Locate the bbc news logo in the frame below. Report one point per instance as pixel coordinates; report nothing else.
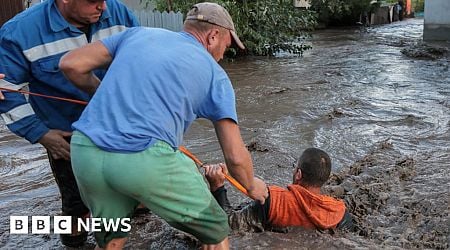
(63, 225)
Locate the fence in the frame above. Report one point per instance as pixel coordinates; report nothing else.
(171, 21)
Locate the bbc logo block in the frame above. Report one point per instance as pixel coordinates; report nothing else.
(40, 224)
(18, 224)
(65, 225)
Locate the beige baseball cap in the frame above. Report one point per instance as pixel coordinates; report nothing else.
(215, 14)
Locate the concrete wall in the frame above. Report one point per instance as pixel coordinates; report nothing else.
(381, 16)
(437, 20)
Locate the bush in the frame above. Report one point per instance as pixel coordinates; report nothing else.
(266, 27)
(418, 5)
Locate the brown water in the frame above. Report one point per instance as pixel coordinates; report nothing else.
(383, 116)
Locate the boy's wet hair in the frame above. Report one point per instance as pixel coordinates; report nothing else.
(316, 167)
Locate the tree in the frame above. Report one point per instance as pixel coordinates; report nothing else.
(266, 27)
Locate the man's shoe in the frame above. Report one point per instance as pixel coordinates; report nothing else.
(140, 211)
(76, 238)
(73, 240)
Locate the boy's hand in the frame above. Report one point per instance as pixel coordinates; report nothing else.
(214, 175)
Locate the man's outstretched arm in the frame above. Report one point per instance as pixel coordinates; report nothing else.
(238, 159)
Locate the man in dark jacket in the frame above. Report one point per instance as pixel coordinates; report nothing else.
(31, 45)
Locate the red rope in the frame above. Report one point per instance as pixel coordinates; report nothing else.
(46, 96)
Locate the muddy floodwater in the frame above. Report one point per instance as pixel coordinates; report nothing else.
(377, 100)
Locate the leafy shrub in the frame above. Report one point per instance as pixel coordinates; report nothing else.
(266, 27)
(418, 5)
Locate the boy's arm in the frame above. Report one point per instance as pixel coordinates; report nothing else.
(346, 223)
(216, 180)
(220, 194)
(251, 217)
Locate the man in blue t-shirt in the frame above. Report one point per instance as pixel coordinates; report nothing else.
(125, 145)
(31, 45)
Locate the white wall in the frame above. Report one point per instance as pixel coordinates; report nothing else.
(437, 20)
(437, 12)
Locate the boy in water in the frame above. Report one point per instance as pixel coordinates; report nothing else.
(302, 204)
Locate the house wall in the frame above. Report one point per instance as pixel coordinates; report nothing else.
(437, 20)
(9, 8)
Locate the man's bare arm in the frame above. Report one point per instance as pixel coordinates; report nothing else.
(238, 159)
(78, 65)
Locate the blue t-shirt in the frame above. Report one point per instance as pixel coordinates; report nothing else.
(158, 83)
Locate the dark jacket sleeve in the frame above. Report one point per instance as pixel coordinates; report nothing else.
(251, 217)
(346, 223)
(15, 110)
(222, 198)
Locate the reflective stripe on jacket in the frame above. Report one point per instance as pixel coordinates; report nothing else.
(31, 45)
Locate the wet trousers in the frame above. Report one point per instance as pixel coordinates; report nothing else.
(70, 195)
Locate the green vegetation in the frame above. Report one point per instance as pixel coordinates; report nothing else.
(418, 5)
(266, 27)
